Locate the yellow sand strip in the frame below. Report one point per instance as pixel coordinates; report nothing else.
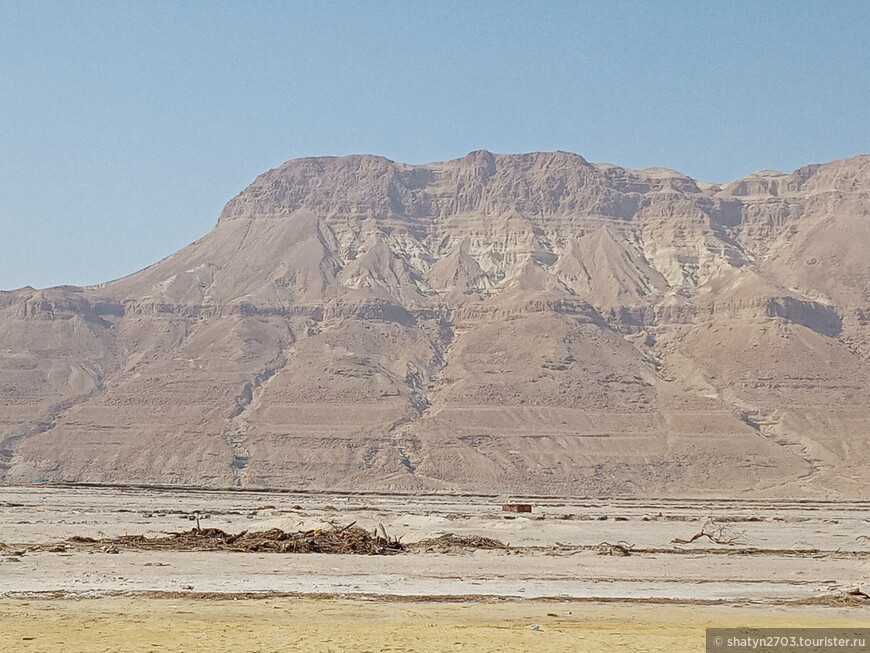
(273, 625)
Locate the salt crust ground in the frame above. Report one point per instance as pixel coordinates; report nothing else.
(77, 600)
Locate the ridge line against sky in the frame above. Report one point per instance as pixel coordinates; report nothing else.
(125, 127)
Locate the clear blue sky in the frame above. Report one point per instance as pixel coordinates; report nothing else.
(125, 126)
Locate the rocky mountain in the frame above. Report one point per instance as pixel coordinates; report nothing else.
(497, 323)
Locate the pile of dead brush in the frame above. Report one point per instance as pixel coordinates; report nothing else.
(451, 543)
(349, 539)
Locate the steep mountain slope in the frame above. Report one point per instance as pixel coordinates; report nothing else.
(508, 323)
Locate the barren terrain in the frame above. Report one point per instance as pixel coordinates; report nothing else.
(277, 625)
(788, 563)
(783, 550)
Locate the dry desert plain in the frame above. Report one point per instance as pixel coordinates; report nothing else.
(777, 562)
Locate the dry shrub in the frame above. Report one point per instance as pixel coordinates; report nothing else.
(715, 532)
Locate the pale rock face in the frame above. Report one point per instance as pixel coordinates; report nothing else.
(497, 323)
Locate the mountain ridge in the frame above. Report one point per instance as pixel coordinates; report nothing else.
(497, 322)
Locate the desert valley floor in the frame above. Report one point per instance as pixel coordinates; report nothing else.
(563, 569)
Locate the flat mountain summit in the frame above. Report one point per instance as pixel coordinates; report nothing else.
(528, 323)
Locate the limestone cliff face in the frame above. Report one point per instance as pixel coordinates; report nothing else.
(504, 323)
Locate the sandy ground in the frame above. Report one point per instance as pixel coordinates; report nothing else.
(792, 564)
(272, 625)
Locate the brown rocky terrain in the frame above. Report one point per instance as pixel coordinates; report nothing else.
(499, 323)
